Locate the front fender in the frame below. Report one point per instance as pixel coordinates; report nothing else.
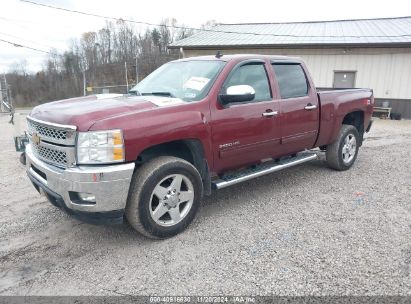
(153, 127)
(166, 128)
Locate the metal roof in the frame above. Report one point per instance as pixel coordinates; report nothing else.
(229, 57)
(392, 31)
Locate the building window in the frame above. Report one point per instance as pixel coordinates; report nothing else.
(344, 79)
(291, 80)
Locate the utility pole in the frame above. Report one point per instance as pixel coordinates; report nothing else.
(1, 99)
(84, 82)
(125, 67)
(136, 69)
(5, 95)
(7, 90)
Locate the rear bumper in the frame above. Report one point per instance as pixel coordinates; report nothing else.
(109, 185)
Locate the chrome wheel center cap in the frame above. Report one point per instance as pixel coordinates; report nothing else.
(172, 201)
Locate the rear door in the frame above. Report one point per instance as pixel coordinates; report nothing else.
(299, 107)
(246, 132)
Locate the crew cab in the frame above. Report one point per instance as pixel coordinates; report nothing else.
(193, 125)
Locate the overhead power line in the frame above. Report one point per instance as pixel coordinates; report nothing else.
(23, 46)
(210, 30)
(30, 41)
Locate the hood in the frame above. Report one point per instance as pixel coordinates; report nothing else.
(83, 112)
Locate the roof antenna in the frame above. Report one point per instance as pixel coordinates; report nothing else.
(219, 54)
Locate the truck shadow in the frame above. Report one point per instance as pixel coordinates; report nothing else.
(225, 200)
(270, 184)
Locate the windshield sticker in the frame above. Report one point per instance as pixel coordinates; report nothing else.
(196, 83)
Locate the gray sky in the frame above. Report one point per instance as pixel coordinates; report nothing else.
(43, 28)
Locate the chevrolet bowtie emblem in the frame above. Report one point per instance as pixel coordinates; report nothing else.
(35, 138)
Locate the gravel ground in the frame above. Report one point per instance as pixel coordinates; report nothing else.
(307, 230)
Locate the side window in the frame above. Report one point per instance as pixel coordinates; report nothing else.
(291, 80)
(253, 75)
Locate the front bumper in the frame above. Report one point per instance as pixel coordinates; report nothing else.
(108, 183)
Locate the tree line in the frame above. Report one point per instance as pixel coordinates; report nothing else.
(103, 59)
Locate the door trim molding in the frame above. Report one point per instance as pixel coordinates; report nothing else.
(298, 137)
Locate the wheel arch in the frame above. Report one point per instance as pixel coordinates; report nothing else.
(191, 150)
(356, 119)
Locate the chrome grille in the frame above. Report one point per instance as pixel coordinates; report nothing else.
(52, 143)
(47, 132)
(55, 157)
(60, 134)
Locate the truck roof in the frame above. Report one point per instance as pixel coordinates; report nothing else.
(230, 57)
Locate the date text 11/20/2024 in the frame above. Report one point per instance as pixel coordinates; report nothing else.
(202, 299)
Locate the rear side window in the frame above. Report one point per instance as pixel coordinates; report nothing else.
(252, 74)
(291, 80)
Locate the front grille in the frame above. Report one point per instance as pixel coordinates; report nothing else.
(47, 132)
(52, 143)
(55, 157)
(60, 134)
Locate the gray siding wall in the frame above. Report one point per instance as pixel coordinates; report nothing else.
(386, 70)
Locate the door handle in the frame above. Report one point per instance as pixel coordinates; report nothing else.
(310, 107)
(270, 114)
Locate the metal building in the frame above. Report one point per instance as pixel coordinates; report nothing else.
(369, 53)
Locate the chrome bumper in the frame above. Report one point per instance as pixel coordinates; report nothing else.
(109, 183)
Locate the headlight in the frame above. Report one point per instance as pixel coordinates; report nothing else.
(100, 147)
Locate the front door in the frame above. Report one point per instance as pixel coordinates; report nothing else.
(245, 132)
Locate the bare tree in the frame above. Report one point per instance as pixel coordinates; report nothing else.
(101, 56)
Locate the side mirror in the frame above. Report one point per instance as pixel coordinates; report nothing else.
(237, 93)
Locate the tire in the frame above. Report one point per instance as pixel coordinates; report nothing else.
(162, 217)
(340, 156)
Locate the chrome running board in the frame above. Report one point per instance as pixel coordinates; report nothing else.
(262, 169)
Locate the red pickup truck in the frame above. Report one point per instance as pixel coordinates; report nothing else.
(191, 126)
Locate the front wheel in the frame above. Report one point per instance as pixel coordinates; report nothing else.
(165, 195)
(342, 154)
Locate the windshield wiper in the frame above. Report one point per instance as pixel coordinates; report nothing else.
(167, 94)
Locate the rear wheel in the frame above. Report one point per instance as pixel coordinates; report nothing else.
(164, 197)
(342, 154)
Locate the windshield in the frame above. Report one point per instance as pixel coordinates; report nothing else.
(187, 80)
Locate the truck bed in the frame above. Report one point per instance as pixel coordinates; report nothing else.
(334, 102)
(331, 90)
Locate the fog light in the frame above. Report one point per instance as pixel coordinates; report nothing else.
(88, 197)
(82, 198)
